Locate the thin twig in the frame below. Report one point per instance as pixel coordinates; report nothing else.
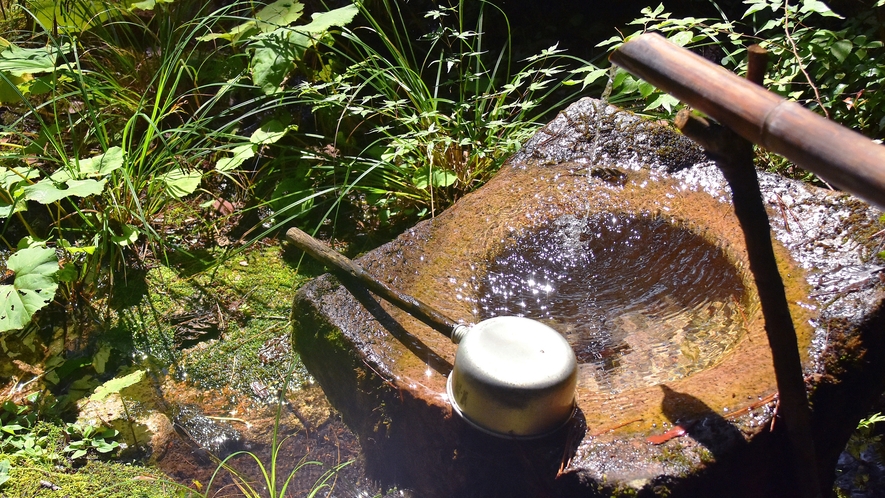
(795, 51)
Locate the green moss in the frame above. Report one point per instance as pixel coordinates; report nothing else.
(249, 300)
(674, 454)
(97, 479)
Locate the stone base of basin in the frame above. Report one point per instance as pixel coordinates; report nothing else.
(697, 419)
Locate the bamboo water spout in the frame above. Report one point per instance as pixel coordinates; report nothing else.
(840, 156)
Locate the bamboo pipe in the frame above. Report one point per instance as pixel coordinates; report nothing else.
(840, 156)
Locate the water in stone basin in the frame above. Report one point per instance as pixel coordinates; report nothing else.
(642, 300)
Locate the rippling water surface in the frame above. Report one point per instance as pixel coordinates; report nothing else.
(641, 300)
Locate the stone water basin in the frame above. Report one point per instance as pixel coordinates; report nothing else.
(616, 233)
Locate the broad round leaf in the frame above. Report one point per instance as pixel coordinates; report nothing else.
(180, 183)
(47, 191)
(33, 288)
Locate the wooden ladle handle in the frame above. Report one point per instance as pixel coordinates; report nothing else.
(335, 261)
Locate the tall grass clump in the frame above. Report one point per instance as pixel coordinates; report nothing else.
(90, 159)
(118, 116)
(414, 121)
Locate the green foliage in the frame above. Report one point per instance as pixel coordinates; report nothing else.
(864, 437)
(105, 159)
(114, 386)
(35, 271)
(19, 434)
(269, 470)
(275, 47)
(867, 423)
(85, 438)
(18, 66)
(23, 433)
(101, 151)
(4, 471)
(415, 125)
(832, 65)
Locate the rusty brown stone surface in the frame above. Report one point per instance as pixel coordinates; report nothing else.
(386, 372)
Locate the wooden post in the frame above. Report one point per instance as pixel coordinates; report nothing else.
(734, 157)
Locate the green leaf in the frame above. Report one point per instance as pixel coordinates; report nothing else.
(13, 176)
(12, 88)
(617, 39)
(269, 18)
(74, 249)
(13, 201)
(129, 236)
(279, 13)
(146, 4)
(271, 64)
(180, 183)
(68, 272)
(70, 16)
(755, 6)
(664, 100)
(593, 74)
(96, 166)
(47, 191)
(100, 358)
(818, 7)
(437, 178)
(682, 38)
(322, 21)
(241, 154)
(34, 287)
(103, 446)
(4, 471)
(841, 50)
(114, 386)
(19, 61)
(443, 178)
(268, 133)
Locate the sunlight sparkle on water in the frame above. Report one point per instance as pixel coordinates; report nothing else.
(640, 299)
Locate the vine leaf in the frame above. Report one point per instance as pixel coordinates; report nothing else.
(36, 270)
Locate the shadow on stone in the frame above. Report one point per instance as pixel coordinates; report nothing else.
(390, 324)
(701, 422)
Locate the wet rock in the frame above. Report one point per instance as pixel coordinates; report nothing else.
(208, 433)
(137, 413)
(699, 421)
